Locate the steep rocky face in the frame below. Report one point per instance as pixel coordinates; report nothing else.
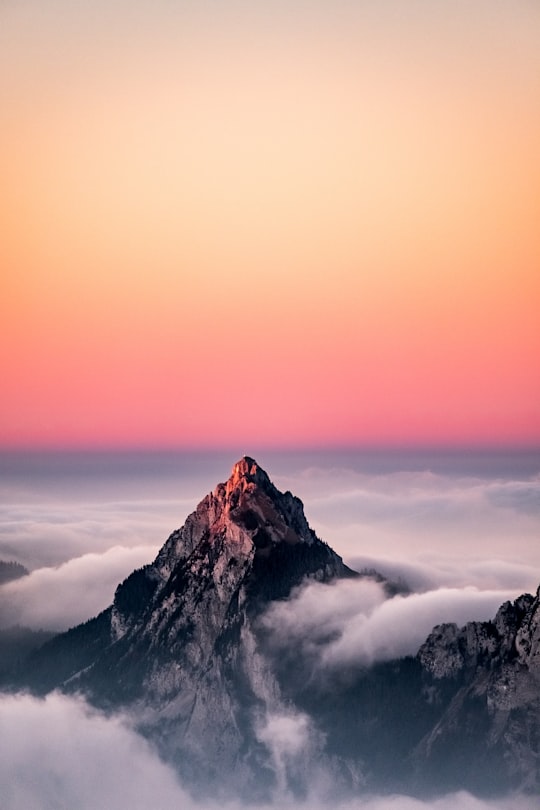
(512, 637)
(491, 726)
(245, 544)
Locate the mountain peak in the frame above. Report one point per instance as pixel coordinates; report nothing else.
(248, 518)
(246, 471)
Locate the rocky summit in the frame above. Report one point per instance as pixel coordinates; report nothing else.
(184, 649)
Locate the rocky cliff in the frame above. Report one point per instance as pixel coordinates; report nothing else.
(489, 730)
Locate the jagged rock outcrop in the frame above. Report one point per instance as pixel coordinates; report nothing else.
(513, 636)
(490, 728)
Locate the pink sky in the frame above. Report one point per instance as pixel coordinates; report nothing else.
(308, 226)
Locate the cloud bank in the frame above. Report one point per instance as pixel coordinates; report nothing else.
(59, 753)
(350, 622)
(58, 598)
(47, 534)
(432, 530)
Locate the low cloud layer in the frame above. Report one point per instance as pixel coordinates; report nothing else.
(489, 574)
(60, 597)
(59, 753)
(351, 622)
(83, 533)
(444, 529)
(41, 535)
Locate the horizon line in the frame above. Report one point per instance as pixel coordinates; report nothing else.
(337, 447)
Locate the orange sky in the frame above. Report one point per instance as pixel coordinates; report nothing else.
(291, 223)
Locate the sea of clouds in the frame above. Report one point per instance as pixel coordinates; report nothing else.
(463, 538)
(58, 752)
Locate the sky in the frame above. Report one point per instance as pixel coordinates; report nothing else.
(282, 223)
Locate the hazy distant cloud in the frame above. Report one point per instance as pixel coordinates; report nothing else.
(494, 574)
(61, 597)
(446, 526)
(59, 753)
(454, 801)
(350, 622)
(519, 496)
(39, 535)
(433, 520)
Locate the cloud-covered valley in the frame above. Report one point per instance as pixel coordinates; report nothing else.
(60, 753)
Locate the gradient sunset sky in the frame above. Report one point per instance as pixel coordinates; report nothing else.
(272, 222)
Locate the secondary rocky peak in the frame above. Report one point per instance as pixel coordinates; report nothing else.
(512, 640)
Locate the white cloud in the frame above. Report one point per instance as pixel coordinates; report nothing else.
(284, 734)
(485, 574)
(447, 528)
(399, 626)
(317, 612)
(47, 534)
(291, 740)
(61, 597)
(351, 622)
(454, 801)
(58, 753)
